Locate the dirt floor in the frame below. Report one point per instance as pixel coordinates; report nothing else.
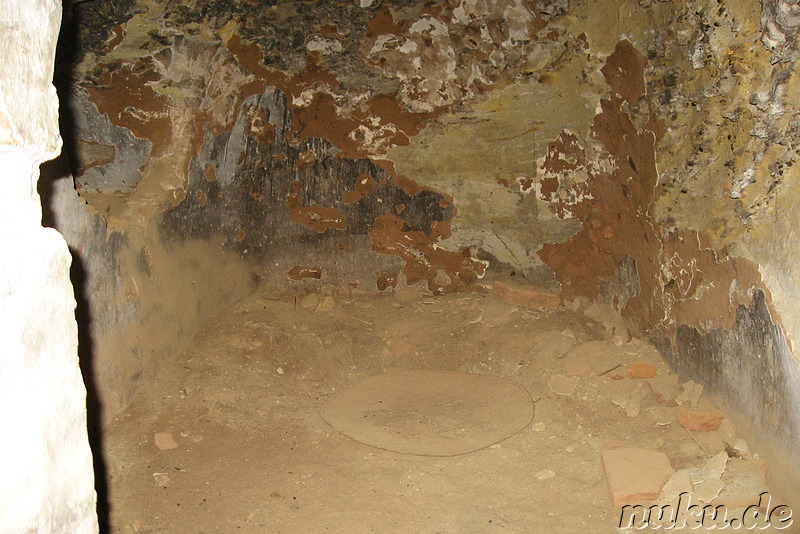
(228, 437)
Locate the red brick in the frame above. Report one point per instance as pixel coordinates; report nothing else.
(701, 419)
(525, 296)
(641, 370)
(635, 475)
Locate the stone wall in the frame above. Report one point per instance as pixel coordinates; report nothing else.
(729, 94)
(638, 158)
(47, 483)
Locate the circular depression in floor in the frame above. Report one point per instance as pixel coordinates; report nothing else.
(430, 413)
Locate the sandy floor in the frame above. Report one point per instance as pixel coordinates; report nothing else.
(250, 452)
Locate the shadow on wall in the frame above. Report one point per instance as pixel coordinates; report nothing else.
(49, 173)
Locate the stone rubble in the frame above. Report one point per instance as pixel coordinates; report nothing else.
(635, 475)
(702, 419)
(562, 385)
(164, 441)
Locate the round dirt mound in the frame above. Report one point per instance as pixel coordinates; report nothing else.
(430, 413)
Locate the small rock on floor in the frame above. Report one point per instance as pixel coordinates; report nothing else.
(164, 441)
(743, 481)
(634, 404)
(702, 419)
(563, 385)
(309, 301)
(545, 474)
(665, 389)
(496, 313)
(679, 483)
(690, 396)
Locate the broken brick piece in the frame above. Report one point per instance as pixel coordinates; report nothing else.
(641, 370)
(701, 419)
(635, 475)
(525, 297)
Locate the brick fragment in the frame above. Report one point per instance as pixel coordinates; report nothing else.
(641, 370)
(525, 296)
(701, 419)
(635, 475)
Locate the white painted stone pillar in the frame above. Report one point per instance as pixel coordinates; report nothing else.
(46, 477)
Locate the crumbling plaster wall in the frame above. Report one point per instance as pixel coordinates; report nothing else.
(262, 134)
(729, 93)
(639, 155)
(47, 482)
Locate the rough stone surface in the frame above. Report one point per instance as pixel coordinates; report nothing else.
(164, 441)
(665, 389)
(690, 395)
(47, 483)
(107, 158)
(326, 304)
(743, 481)
(635, 475)
(563, 385)
(576, 367)
(309, 301)
(680, 482)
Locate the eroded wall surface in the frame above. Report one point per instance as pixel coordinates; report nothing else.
(636, 155)
(729, 177)
(47, 482)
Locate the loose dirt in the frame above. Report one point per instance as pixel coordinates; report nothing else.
(247, 449)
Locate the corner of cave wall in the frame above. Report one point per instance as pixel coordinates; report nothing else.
(726, 207)
(682, 182)
(140, 296)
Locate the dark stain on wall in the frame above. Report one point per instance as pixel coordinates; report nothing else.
(750, 369)
(622, 285)
(282, 192)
